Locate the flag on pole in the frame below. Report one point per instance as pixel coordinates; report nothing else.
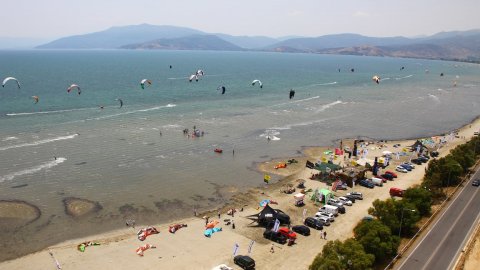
(266, 178)
(335, 184)
(276, 226)
(250, 247)
(235, 249)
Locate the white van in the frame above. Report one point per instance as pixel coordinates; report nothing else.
(377, 181)
(329, 209)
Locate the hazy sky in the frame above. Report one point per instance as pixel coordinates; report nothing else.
(57, 18)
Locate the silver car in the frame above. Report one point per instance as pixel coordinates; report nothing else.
(345, 201)
(330, 216)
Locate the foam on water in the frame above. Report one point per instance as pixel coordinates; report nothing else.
(327, 106)
(61, 138)
(11, 138)
(33, 170)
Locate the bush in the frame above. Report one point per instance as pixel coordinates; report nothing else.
(342, 255)
(377, 239)
(421, 198)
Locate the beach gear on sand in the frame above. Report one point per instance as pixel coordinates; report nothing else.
(280, 166)
(81, 247)
(143, 233)
(141, 249)
(212, 224)
(218, 150)
(175, 227)
(209, 232)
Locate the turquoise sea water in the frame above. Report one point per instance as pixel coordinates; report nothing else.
(117, 157)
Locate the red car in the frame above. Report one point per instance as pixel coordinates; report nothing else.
(391, 173)
(288, 233)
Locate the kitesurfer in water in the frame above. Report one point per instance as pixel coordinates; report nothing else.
(292, 93)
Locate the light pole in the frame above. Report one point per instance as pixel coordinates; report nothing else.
(401, 220)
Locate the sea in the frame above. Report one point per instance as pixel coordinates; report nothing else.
(136, 161)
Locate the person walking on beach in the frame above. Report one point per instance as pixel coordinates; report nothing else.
(194, 212)
(325, 235)
(233, 225)
(272, 250)
(218, 214)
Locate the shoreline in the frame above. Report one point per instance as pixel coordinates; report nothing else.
(122, 242)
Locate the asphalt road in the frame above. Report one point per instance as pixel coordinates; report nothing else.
(441, 246)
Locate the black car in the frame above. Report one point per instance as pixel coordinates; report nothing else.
(301, 229)
(245, 262)
(313, 223)
(416, 161)
(352, 198)
(275, 236)
(476, 183)
(366, 183)
(387, 176)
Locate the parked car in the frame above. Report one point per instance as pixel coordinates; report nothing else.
(391, 173)
(352, 198)
(325, 220)
(377, 181)
(476, 183)
(245, 262)
(410, 164)
(301, 229)
(313, 223)
(401, 169)
(345, 201)
(330, 217)
(275, 236)
(405, 166)
(288, 233)
(335, 202)
(366, 183)
(342, 187)
(357, 195)
(416, 161)
(423, 158)
(329, 209)
(384, 180)
(396, 192)
(387, 176)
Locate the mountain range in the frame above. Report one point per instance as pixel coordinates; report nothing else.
(456, 45)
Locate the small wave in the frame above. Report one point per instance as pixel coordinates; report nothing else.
(32, 170)
(435, 98)
(327, 106)
(131, 112)
(317, 84)
(385, 79)
(9, 139)
(401, 78)
(47, 112)
(61, 138)
(296, 101)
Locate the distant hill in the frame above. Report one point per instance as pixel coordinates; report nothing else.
(116, 37)
(249, 42)
(193, 42)
(459, 48)
(454, 45)
(335, 41)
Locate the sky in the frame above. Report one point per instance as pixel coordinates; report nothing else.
(50, 19)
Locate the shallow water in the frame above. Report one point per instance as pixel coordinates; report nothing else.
(116, 156)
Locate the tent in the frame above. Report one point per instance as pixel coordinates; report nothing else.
(323, 167)
(322, 195)
(268, 215)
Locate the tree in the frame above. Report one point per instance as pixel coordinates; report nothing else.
(377, 239)
(421, 198)
(342, 255)
(392, 212)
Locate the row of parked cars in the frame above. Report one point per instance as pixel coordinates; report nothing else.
(327, 213)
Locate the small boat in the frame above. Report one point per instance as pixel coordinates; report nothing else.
(218, 150)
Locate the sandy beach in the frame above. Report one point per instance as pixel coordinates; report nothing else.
(188, 248)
